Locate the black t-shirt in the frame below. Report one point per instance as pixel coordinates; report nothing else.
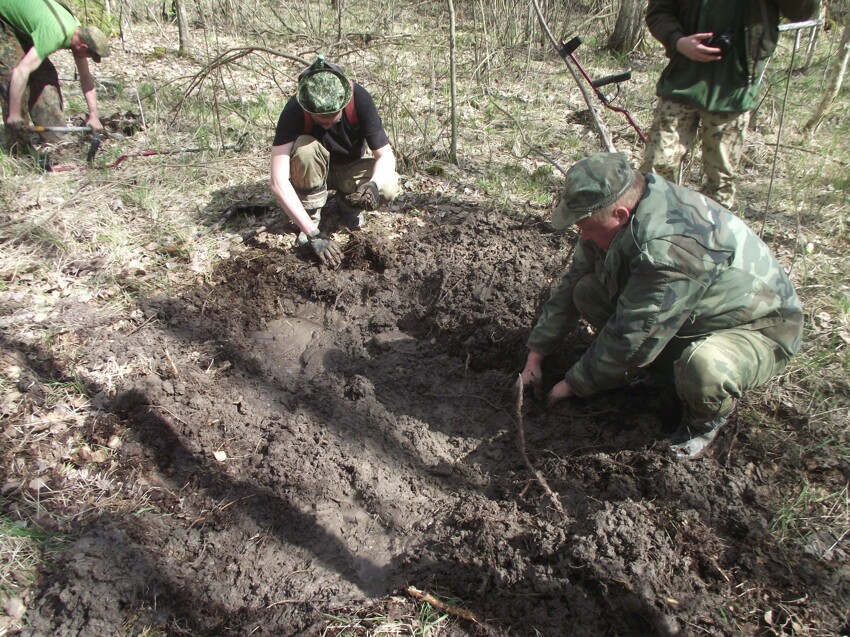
(343, 141)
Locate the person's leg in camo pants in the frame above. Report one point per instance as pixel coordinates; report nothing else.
(673, 132)
(722, 145)
(42, 100)
(674, 129)
(709, 373)
(308, 172)
(713, 372)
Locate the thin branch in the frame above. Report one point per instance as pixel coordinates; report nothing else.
(544, 154)
(518, 390)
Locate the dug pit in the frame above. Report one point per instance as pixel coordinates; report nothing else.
(312, 439)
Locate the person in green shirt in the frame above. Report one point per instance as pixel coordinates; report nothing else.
(30, 31)
(717, 50)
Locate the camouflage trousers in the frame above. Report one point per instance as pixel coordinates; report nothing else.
(709, 371)
(312, 174)
(673, 132)
(42, 100)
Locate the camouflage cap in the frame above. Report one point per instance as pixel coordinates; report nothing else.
(590, 185)
(96, 41)
(323, 89)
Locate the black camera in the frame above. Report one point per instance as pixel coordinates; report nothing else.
(722, 41)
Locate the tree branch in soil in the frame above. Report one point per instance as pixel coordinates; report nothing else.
(518, 390)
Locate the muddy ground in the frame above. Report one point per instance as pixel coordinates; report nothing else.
(313, 442)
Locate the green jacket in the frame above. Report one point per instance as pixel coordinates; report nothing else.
(683, 266)
(727, 85)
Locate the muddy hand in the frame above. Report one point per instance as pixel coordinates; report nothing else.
(328, 252)
(369, 195)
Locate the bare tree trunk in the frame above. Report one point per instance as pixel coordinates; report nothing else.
(629, 27)
(453, 80)
(833, 84)
(182, 28)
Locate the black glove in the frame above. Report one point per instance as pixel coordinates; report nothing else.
(325, 248)
(369, 196)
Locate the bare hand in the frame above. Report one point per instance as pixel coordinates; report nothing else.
(532, 376)
(691, 47)
(95, 124)
(558, 393)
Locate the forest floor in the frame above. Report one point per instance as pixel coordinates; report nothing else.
(210, 436)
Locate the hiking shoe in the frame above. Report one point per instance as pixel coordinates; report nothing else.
(691, 440)
(352, 221)
(350, 213)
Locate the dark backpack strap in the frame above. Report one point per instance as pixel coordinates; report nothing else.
(56, 15)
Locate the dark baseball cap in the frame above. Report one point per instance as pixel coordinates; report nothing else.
(590, 185)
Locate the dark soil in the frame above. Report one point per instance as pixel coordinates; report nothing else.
(313, 442)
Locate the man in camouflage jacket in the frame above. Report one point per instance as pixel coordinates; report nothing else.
(717, 50)
(675, 285)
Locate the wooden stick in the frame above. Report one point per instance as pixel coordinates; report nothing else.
(518, 389)
(442, 606)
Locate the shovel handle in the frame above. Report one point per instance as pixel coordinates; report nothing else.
(59, 129)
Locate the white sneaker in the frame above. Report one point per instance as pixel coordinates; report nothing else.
(691, 440)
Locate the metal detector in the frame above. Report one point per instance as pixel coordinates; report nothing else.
(567, 51)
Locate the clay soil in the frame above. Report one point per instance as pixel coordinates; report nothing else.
(314, 442)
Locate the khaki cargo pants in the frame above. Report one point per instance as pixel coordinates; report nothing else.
(710, 371)
(42, 101)
(674, 130)
(312, 174)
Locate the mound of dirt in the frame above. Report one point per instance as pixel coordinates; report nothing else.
(314, 440)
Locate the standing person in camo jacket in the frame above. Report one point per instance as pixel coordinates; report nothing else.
(330, 135)
(30, 31)
(717, 50)
(676, 286)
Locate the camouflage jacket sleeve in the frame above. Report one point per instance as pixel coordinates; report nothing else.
(559, 314)
(655, 302)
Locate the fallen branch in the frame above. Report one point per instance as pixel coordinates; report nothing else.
(442, 606)
(518, 389)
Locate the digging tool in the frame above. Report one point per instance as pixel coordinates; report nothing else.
(567, 51)
(96, 138)
(238, 146)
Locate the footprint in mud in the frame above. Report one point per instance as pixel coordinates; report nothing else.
(285, 341)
